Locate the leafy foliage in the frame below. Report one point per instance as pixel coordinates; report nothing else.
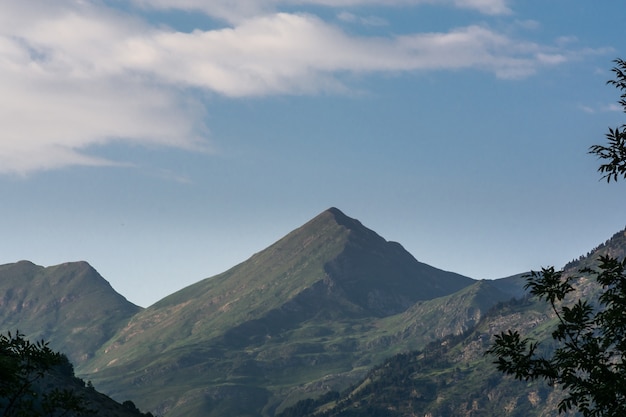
(614, 154)
(23, 367)
(589, 362)
(36, 381)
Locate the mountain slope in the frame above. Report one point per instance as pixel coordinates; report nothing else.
(70, 305)
(294, 313)
(332, 260)
(452, 377)
(431, 320)
(448, 378)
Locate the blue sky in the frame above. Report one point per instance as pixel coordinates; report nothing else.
(165, 141)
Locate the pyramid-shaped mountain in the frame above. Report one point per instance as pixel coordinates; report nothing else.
(331, 267)
(269, 318)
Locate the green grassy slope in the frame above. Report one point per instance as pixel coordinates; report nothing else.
(70, 305)
(447, 378)
(293, 317)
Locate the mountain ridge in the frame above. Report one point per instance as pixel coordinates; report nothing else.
(69, 304)
(309, 314)
(290, 270)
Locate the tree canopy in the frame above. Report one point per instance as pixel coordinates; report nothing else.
(24, 368)
(613, 155)
(589, 361)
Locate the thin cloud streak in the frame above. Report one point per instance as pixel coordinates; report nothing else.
(123, 80)
(235, 11)
(366, 21)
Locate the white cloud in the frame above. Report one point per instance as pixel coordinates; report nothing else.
(298, 53)
(63, 93)
(586, 109)
(604, 108)
(493, 7)
(613, 108)
(75, 76)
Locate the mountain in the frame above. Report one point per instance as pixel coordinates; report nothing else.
(432, 320)
(452, 376)
(331, 319)
(69, 305)
(331, 267)
(292, 319)
(447, 378)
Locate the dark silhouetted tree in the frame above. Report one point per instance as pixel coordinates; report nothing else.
(589, 361)
(24, 367)
(613, 154)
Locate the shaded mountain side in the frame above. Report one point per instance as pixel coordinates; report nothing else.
(452, 376)
(70, 305)
(448, 378)
(298, 311)
(513, 285)
(382, 277)
(428, 321)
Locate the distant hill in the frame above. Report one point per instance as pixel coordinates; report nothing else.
(321, 311)
(69, 305)
(614, 246)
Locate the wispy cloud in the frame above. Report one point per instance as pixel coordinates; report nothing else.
(238, 10)
(604, 108)
(362, 20)
(75, 75)
(299, 53)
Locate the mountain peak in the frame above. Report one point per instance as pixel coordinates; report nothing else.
(338, 214)
(344, 220)
(335, 210)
